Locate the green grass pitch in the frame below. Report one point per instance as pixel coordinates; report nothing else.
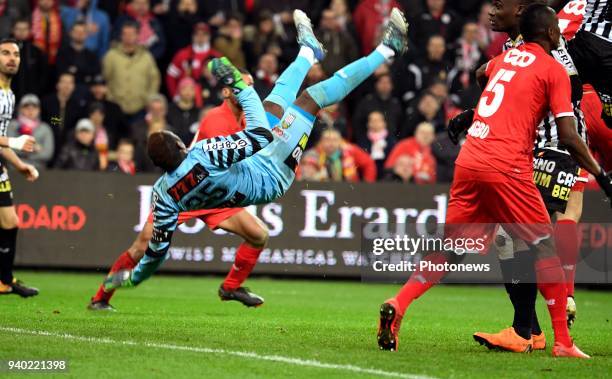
(177, 327)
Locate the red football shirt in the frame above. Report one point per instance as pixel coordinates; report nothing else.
(524, 84)
(219, 121)
(570, 18)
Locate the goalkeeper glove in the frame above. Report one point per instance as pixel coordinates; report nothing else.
(459, 124)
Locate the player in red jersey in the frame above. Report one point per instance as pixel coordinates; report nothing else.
(551, 161)
(223, 120)
(600, 136)
(493, 175)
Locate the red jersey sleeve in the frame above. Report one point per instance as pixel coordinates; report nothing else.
(559, 91)
(365, 165)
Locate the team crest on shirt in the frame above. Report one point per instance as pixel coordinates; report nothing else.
(280, 133)
(287, 121)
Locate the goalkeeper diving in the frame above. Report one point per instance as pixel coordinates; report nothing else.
(256, 165)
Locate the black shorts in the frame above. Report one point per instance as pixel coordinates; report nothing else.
(592, 56)
(554, 173)
(6, 191)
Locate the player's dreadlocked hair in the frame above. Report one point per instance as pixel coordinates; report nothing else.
(164, 151)
(536, 21)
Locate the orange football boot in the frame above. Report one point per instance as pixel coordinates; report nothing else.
(5, 289)
(539, 341)
(389, 325)
(560, 350)
(507, 340)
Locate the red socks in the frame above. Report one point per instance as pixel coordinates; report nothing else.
(122, 263)
(551, 283)
(420, 282)
(567, 241)
(246, 259)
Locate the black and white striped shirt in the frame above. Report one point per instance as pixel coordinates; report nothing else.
(7, 105)
(547, 136)
(598, 18)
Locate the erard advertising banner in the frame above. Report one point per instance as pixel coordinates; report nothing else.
(85, 220)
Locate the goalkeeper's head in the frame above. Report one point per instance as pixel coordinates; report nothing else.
(166, 150)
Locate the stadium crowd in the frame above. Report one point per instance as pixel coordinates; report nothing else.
(97, 77)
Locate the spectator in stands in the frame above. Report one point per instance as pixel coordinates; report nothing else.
(131, 72)
(436, 20)
(63, 109)
(266, 74)
(402, 170)
(10, 12)
(344, 17)
(336, 160)
(426, 108)
(419, 149)
(333, 116)
(28, 123)
(113, 8)
(378, 141)
(191, 61)
(183, 114)
(434, 65)
(101, 138)
(216, 12)
(33, 72)
(468, 57)
(229, 41)
(47, 29)
(315, 75)
(80, 153)
(182, 19)
(154, 121)
(448, 107)
(150, 30)
(114, 119)
(97, 24)
(368, 18)
(75, 58)
(125, 158)
(380, 100)
(263, 39)
(485, 34)
(341, 47)
(407, 79)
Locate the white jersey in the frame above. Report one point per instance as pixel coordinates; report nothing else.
(598, 19)
(548, 136)
(7, 106)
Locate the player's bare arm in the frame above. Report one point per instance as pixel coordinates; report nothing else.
(21, 143)
(29, 171)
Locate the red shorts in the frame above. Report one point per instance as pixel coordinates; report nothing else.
(480, 200)
(211, 217)
(581, 181)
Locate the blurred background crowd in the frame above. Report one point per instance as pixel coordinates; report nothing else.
(97, 77)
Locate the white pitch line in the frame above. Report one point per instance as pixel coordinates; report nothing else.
(207, 350)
